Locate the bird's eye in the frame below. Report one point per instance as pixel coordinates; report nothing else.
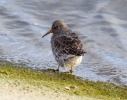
(56, 27)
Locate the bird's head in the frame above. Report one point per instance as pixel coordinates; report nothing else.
(57, 26)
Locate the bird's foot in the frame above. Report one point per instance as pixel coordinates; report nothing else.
(71, 71)
(58, 68)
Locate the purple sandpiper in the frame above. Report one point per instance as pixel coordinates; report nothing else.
(66, 46)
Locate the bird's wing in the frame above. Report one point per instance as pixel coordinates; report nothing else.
(69, 44)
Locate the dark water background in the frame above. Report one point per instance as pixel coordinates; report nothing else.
(101, 25)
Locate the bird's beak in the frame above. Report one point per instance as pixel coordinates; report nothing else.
(50, 31)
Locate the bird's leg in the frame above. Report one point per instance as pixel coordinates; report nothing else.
(58, 68)
(71, 70)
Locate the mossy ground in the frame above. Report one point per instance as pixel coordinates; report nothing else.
(59, 81)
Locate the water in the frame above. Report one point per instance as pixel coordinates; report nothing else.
(101, 25)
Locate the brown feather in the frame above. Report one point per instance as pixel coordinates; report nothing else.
(69, 44)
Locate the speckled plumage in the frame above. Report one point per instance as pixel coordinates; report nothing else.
(66, 45)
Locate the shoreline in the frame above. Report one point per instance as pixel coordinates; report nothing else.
(11, 91)
(20, 83)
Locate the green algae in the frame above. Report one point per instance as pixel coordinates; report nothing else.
(61, 81)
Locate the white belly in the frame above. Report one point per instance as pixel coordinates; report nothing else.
(75, 61)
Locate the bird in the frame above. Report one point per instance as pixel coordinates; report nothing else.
(66, 46)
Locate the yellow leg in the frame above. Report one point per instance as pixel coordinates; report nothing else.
(71, 69)
(58, 68)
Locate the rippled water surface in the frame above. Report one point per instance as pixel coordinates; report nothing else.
(101, 25)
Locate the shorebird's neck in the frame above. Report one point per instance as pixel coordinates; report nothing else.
(63, 32)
